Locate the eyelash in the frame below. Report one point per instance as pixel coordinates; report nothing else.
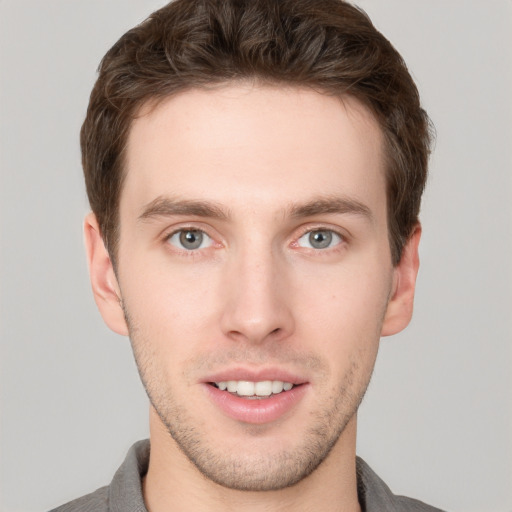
(188, 252)
(342, 239)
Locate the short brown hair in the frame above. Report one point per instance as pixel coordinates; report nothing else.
(328, 45)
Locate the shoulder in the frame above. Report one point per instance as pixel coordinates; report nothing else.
(411, 505)
(125, 490)
(375, 496)
(96, 501)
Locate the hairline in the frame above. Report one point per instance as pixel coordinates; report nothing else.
(148, 105)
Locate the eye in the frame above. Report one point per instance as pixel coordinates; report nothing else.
(319, 239)
(190, 239)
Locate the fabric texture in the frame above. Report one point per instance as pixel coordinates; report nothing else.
(124, 494)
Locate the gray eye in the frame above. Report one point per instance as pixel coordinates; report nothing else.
(319, 239)
(190, 239)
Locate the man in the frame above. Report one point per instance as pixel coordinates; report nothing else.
(254, 170)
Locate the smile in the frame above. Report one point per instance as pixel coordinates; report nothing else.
(256, 401)
(245, 388)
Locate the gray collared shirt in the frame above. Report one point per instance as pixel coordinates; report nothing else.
(124, 494)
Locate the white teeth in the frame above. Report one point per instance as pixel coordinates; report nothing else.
(245, 388)
(263, 388)
(248, 388)
(277, 386)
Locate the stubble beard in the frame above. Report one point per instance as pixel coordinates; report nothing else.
(243, 472)
(264, 472)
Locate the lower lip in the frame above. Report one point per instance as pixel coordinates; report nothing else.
(256, 410)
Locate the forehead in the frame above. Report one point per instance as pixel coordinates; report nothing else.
(241, 143)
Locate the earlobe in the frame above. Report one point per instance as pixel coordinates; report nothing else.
(104, 283)
(400, 306)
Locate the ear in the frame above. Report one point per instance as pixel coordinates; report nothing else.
(400, 306)
(104, 283)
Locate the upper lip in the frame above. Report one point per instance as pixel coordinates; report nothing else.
(255, 375)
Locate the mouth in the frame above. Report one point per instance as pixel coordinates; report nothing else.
(256, 399)
(254, 390)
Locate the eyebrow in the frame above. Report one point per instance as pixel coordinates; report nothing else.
(333, 205)
(167, 206)
(164, 206)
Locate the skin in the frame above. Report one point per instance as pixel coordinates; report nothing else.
(272, 165)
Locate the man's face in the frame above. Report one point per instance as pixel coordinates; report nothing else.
(254, 249)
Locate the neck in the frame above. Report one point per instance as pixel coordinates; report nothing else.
(172, 481)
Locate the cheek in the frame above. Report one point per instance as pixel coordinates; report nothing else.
(347, 295)
(169, 303)
(343, 312)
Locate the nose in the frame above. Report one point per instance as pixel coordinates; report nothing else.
(257, 299)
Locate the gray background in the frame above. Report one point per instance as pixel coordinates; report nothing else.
(437, 421)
